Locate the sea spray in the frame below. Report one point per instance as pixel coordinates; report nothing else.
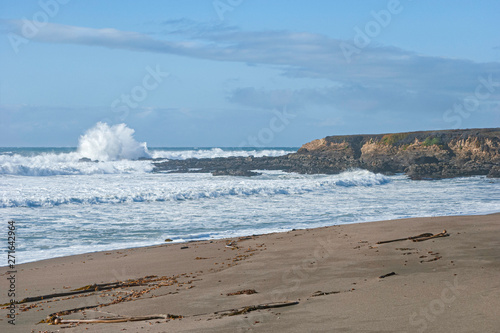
(183, 154)
(111, 143)
(44, 162)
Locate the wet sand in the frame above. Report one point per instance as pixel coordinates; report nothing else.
(315, 280)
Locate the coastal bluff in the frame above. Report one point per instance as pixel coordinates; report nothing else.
(420, 155)
(424, 154)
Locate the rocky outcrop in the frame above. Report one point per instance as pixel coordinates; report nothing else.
(421, 155)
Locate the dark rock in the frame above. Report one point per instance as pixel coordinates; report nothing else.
(426, 160)
(421, 155)
(238, 172)
(427, 171)
(494, 172)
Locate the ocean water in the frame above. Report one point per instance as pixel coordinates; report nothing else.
(63, 206)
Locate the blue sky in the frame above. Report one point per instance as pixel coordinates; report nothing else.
(245, 72)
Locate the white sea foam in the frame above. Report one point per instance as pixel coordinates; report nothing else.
(216, 152)
(122, 201)
(113, 150)
(62, 215)
(52, 164)
(49, 164)
(111, 143)
(179, 188)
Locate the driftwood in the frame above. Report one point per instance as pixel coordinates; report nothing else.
(429, 260)
(82, 290)
(243, 292)
(53, 319)
(246, 309)
(386, 275)
(418, 238)
(59, 320)
(441, 234)
(95, 287)
(406, 238)
(147, 280)
(324, 293)
(56, 315)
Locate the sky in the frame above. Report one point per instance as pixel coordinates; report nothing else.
(258, 73)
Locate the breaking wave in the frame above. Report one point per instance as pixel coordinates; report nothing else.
(215, 152)
(268, 185)
(106, 150)
(111, 143)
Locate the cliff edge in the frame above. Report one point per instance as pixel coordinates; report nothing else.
(421, 155)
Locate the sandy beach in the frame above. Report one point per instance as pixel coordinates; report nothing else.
(331, 279)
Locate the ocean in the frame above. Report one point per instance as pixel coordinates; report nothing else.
(63, 206)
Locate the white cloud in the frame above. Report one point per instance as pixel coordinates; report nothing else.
(298, 54)
(380, 79)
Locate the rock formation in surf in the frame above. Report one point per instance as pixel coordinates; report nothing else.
(420, 155)
(426, 154)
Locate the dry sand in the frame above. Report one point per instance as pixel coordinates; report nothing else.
(448, 284)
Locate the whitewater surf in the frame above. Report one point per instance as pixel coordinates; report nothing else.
(64, 206)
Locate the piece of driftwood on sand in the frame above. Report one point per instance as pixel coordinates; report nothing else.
(417, 238)
(59, 320)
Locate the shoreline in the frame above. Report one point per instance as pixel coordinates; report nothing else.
(247, 235)
(334, 273)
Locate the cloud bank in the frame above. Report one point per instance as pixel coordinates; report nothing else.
(380, 79)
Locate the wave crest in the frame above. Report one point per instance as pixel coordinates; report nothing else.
(215, 153)
(199, 187)
(111, 143)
